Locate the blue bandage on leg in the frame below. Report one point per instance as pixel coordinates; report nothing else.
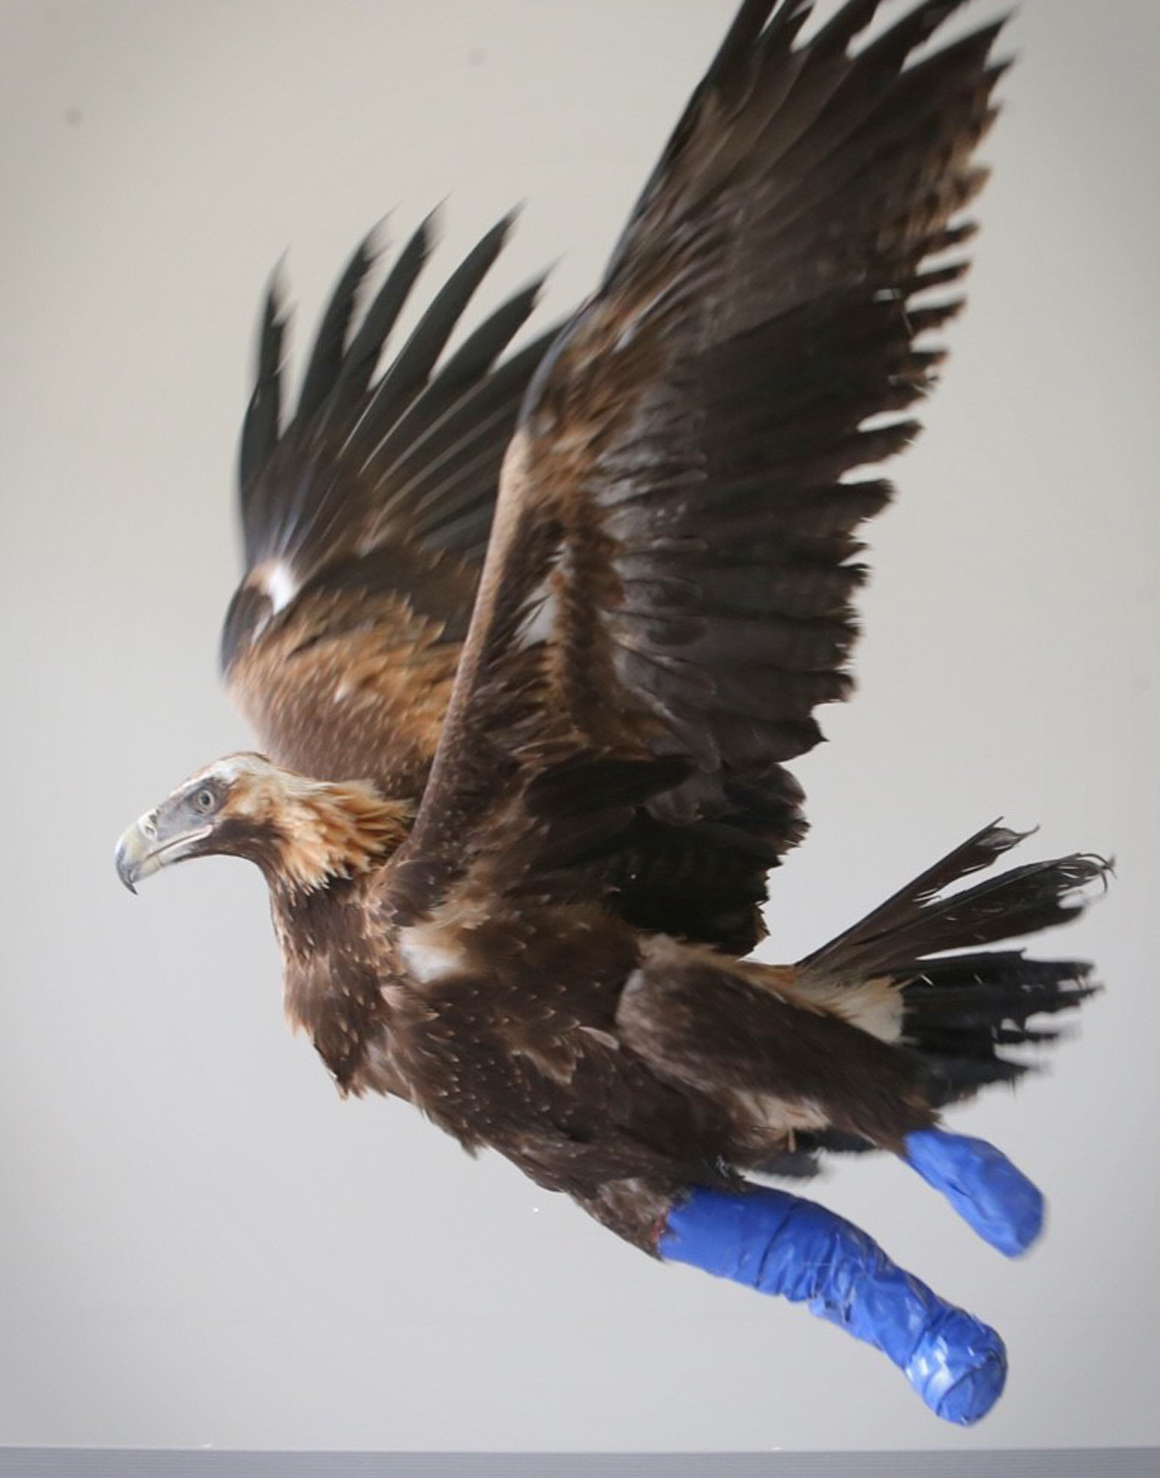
(780, 1244)
(983, 1186)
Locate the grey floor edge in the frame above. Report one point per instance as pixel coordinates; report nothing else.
(105, 1462)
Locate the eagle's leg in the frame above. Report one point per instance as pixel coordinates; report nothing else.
(781, 1244)
(983, 1186)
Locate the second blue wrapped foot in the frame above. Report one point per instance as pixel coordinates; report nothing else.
(980, 1182)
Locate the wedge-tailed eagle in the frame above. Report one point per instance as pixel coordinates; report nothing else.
(530, 640)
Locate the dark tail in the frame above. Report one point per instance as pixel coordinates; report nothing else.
(961, 1010)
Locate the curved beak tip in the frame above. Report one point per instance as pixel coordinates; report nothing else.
(144, 849)
(125, 869)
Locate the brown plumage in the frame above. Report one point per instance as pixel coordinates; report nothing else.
(545, 787)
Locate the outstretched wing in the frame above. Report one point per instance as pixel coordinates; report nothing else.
(365, 519)
(667, 593)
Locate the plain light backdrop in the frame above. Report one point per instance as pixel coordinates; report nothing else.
(199, 1244)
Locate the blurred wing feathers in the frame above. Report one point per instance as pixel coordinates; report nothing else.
(674, 559)
(411, 368)
(366, 516)
(264, 412)
(330, 345)
(359, 362)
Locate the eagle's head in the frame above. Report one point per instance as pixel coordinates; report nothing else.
(301, 832)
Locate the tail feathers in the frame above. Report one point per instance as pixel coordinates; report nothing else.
(959, 1011)
(920, 920)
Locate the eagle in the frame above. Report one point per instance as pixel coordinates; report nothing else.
(529, 639)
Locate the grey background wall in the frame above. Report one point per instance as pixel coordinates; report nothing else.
(199, 1244)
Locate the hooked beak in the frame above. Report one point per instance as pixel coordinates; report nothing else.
(149, 845)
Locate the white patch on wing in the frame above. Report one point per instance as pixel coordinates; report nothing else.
(426, 956)
(279, 583)
(542, 605)
(538, 624)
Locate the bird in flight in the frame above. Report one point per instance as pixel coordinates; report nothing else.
(529, 639)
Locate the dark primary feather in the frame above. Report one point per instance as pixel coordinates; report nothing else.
(358, 364)
(330, 344)
(410, 370)
(674, 565)
(319, 483)
(264, 413)
(365, 516)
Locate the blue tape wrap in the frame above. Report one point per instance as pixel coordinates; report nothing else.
(780, 1244)
(983, 1186)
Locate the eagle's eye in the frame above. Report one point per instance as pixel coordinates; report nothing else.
(205, 801)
